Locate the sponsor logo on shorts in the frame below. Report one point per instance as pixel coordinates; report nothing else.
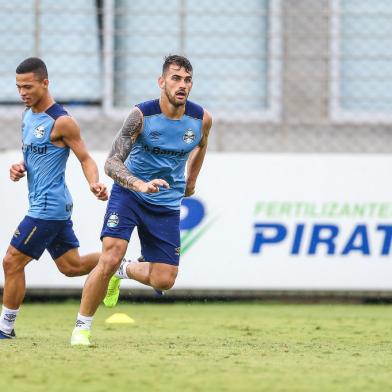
(189, 136)
(17, 233)
(30, 235)
(113, 220)
(39, 132)
(177, 251)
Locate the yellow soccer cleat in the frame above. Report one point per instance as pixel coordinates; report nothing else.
(113, 292)
(80, 337)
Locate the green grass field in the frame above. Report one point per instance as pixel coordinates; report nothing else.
(203, 347)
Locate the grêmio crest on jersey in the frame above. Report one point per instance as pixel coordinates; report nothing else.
(189, 136)
(39, 132)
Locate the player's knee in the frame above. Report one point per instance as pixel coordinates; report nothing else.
(163, 282)
(69, 271)
(163, 277)
(7, 264)
(70, 266)
(10, 263)
(109, 262)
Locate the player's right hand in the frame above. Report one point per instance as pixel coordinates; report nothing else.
(151, 186)
(100, 191)
(17, 171)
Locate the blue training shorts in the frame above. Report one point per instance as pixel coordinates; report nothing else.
(158, 226)
(34, 235)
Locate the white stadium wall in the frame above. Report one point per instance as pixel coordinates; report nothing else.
(258, 222)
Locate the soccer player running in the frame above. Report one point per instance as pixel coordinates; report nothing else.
(48, 134)
(147, 163)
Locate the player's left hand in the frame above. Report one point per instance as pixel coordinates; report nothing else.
(99, 190)
(190, 189)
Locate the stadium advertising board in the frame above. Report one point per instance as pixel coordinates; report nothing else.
(276, 221)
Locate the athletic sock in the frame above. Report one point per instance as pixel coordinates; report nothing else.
(83, 322)
(7, 319)
(121, 273)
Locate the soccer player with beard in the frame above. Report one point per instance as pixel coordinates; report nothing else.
(147, 163)
(48, 135)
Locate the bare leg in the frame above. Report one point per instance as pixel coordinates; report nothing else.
(72, 264)
(97, 282)
(157, 275)
(140, 272)
(14, 264)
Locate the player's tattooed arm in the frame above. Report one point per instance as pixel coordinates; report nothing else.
(122, 146)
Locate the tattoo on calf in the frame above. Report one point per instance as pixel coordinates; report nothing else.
(122, 146)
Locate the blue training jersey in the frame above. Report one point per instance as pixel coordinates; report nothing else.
(49, 197)
(162, 150)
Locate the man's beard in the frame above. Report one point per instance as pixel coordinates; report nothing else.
(172, 100)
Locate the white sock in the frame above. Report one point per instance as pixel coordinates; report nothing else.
(83, 322)
(121, 273)
(7, 319)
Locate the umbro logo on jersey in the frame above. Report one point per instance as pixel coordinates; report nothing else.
(39, 132)
(189, 136)
(155, 135)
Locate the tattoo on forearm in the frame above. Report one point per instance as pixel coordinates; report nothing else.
(122, 146)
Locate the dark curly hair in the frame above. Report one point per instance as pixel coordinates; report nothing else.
(180, 61)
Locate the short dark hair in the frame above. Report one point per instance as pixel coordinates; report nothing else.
(35, 65)
(180, 61)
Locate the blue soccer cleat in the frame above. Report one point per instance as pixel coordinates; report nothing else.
(4, 335)
(160, 293)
